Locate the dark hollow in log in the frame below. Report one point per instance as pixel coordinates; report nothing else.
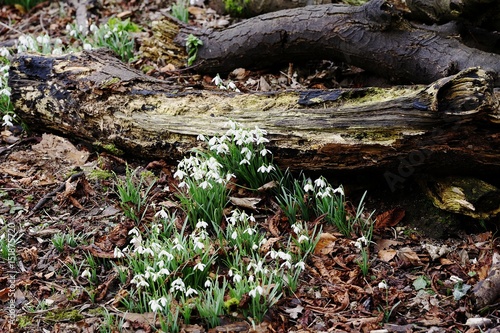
(92, 96)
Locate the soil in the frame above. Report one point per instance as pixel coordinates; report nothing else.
(51, 186)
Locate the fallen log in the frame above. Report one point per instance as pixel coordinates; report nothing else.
(449, 125)
(375, 37)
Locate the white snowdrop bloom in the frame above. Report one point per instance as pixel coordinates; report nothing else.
(204, 185)
(320, 182)
(183, 184)
(261, 140)
(133, 231)
(231, 85)
(117, 253)
(234, 235)
(255, 247)
(57, 51)
(179, 174)
(284, 256)
(155, 305)
(360, 242)
(155, 247)
(237, 278)
(301, 265)
(164, 253)
(303, 238)
(257, 290)
(198, 245)
(178, 247)
(297, 228)
(162, 214)
(87, 46)
(251, 278)
(273, 254)
(200, 137)
(244, 161)
(4, 52)
(6, 118)
(270, 168)
(339, 190)
(163, 271)
(190, 292)
(249, 231)
(86, 274)
(208, 283)
(286, 264)
(262, 169)
(217, 80)
(146, 251)
(142, 283)
(382, 285)
(199, 266)
(212, 141)
(178, 284)
(308, 187)
(136, 241)
(230, 273)
(455, 279)
(264, 152)
(93, 28)
(201, 224)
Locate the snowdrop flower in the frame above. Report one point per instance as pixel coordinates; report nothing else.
(134, 231)
(287, 264)
(308, 187)
(303, 238)
(257, 290)
(245, 161)
(87, 47)
(382, 285)
(190, 292)
(4, 52)
(360, 242)
(155, 305)
(164, 253)
(162, 214)
(7, 120)
(178, 284)
(86, 274)
(201, 224)
(204, 185)
(200, 137)
(117, 253)
(230, 273)
(139, 281)
(320, 182)
(255, 247)
(208, 283)
(297, 228)
(199, 266)
(198, 245)
(180, 174)
(455, 279)
(284, 256)
(217, 80)
(237, 278)
(339, 190)
(264, 152)
(234, 235)
(249, 231)
(300, 265)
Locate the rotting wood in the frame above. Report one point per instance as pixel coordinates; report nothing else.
(92, 96)
(375, 37)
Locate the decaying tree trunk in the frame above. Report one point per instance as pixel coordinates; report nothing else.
(374, 36)
(92, 96)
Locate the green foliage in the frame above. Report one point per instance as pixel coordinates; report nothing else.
(236, 7)
(133, 193)
(180, 10)
(26, 4)
(192, 45)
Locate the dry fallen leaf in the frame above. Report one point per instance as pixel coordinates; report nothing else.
(325, 244)
(409, 257)
(389, 218)
(294, 312)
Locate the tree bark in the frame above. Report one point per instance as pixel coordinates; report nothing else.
(92, 96)
(374, 37)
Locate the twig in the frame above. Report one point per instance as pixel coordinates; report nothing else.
(49, 196)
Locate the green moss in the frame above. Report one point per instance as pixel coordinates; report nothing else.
(236, 7)
(100, 174)
(23, 321)
(109, 147)
(63, 315)
(231, 304)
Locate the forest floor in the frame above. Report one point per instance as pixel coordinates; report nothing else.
(425, 266)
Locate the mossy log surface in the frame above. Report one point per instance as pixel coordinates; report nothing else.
(93, 97)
